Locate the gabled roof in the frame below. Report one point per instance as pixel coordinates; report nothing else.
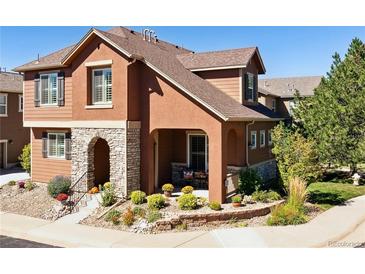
(11, 82)
(232, 58)
(286, 87)
(162, 58)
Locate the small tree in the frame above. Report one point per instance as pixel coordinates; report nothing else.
(24, 158)
(296, 156)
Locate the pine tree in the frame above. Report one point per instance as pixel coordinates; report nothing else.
(335, 116)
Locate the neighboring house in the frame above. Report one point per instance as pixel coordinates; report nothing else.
(278, 93)
(135, 110)
(13, 136)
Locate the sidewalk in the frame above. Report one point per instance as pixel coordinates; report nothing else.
(333, 225)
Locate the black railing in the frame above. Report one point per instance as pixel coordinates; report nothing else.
(76, 194)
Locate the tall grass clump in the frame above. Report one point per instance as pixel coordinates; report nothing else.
(297, 189)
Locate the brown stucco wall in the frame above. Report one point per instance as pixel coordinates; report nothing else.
(11, 128)
(97, 50)
(44, 169)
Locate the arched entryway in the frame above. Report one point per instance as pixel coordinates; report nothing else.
(99, 162)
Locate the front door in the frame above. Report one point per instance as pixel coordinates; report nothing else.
(198, 152)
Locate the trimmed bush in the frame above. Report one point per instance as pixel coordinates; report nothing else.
(113, 216)
(138, 197)
(168, 187)
(59, 184)
(188, 202)
(215, 205)
(108, 197)
(187, 189)
(12, 183)
(29, 185)
(249, 181)
(128, 217)
(156, 201)
(265, 196)
(286, 215)
(139, 211)
(153, 216)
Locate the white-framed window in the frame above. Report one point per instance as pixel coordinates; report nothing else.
(102, 86)
(21, 103)
(262, 138)
(3, 105)
(253, 139)
(198, 151)
(56, 145)
(250, 87)
(291, 107)
(273, 105)
(48, 87)
(269, 137)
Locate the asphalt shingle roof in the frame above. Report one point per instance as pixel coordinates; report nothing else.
(11, 82)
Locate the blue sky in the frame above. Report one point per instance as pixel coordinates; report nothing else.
(286, 51)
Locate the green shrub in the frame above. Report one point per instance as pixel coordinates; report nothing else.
(202, 201)
(215, 205)
(286, 215)
(156, 201)
(265, 196)
(29, 185)
(113, 216)
(187, 189)
(139, 211)
(59, 184)
(107, 185)
(153, 216)
(236, 199)
(128, 217)
(108, 197)
(25, 157)
(138, 197)
(188, 202)
(249, 181)
(12, 183)
(168, 187)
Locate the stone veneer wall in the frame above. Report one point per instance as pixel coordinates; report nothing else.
(124, 146)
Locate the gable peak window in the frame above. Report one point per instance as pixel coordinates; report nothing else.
(250, 87)
(102, 86)
(273, 105)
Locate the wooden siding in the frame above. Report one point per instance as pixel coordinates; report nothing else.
(47, 113)
(44, 169)
(227, 81)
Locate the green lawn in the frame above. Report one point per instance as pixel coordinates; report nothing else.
(330, 194)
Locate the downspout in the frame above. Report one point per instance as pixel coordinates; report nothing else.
(247, 125)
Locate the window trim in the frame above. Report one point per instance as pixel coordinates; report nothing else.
(105, 103)
(273, 105)
(253, 133)
(264, 139)
(206, 148)
(6, 105)
(41, 93)
(48, 143)
(20, 103)
(249, 74)
(269, 137)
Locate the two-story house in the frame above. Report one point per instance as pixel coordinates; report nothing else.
(278, 93)
(129, 108)
(13, 136)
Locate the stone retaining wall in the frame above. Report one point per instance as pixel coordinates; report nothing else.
(198, 219)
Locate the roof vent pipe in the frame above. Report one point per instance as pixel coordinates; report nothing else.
(150, 35)
(144, 33)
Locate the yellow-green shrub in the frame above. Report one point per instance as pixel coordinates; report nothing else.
(188, 201)
(138, 197)
(156, 201)
(187, 189)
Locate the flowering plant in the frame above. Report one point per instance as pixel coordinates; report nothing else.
(62, 197)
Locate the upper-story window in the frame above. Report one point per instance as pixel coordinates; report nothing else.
(273, 105)
(253, 139)
(269, 137)
(250, 87)
(48, 88)
(262, 138)
(3, 105)
(21, 103)
(102, 86)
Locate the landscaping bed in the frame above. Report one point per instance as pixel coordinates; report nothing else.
(34, 203)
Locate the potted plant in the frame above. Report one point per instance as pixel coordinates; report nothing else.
(62, 197)
(236, 200)
(167, 189)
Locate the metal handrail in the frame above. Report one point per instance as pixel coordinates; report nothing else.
(72, 204)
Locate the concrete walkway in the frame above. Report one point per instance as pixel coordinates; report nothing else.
(331, 226)
(14, 173)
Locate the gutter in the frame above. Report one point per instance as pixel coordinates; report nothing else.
(247, 148)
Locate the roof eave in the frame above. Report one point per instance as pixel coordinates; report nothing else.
(247, 119)
(217, 68)
(37, 67)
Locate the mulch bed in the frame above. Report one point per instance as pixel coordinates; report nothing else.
(34, 203)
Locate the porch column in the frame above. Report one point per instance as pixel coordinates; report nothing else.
(217, 165)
